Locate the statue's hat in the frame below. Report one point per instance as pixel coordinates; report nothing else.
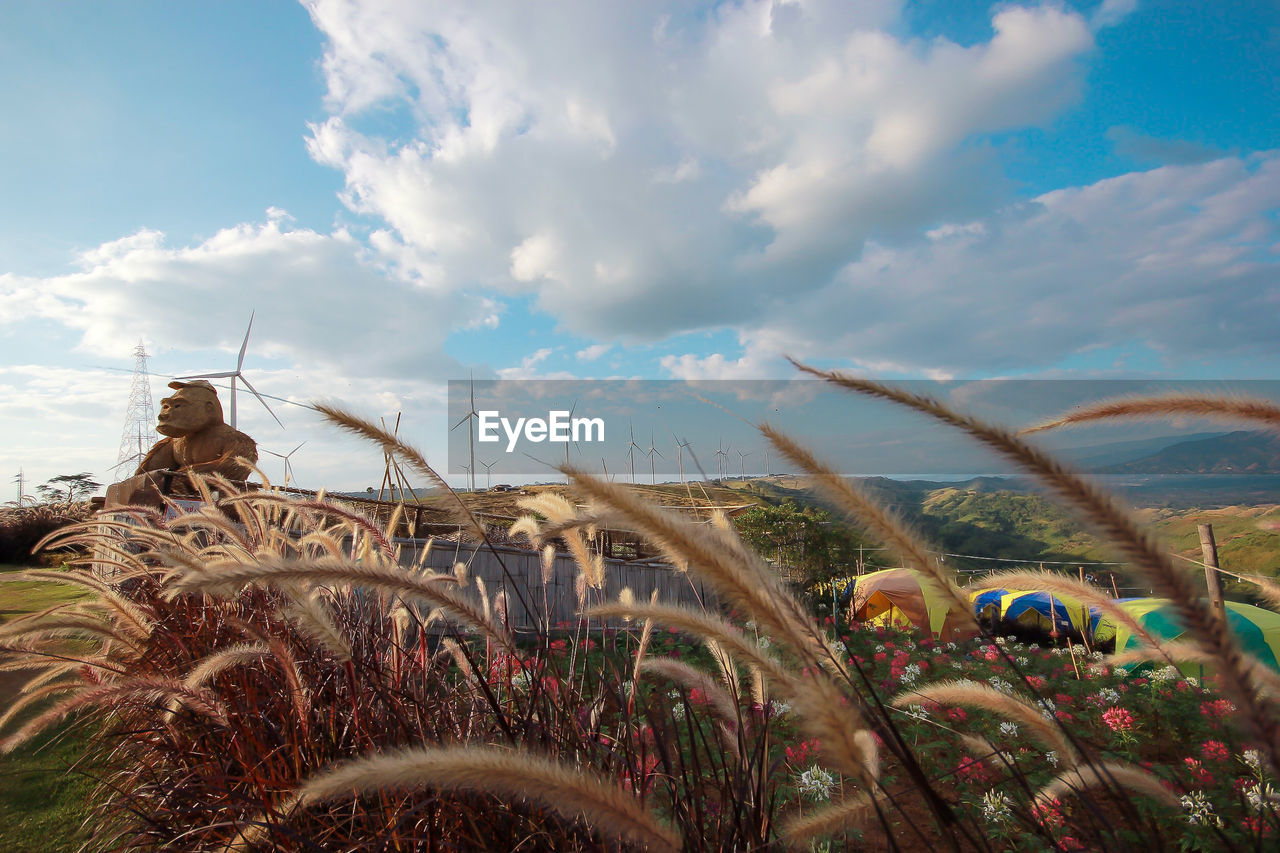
(179, 384)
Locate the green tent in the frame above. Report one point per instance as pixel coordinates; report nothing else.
(1257, 630)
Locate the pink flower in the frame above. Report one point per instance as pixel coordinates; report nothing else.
(1118, 719)
(1214, 750)
(957, 715)
(1036, 682)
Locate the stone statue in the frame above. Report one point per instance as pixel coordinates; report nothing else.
(197, 438)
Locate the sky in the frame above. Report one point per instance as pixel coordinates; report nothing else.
(403, 193)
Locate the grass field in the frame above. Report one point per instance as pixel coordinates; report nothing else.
(42, 792)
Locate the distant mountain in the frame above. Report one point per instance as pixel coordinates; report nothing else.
(1240, 452)
(1094, 456)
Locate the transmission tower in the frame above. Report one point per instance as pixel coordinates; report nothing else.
(139, 421)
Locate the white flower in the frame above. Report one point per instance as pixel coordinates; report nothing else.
(1023, 661)
(918, 711)
(1052, 757)
(955, 664)
(1252, 759)
(816, 783)
(1000, 684)
(1004, 641)
(764, 642)
(1096, 655)
(677, 710)
(521, 680)
(1108, 696)
(778, 708)
(1099, 669)
(951, 647)
(880, 648)
(1199, 810)
(1008, 729)
(1167, 673)
(750, 625)
(996, 807)
(1194, 682)
(1256, 796)
(910, 673)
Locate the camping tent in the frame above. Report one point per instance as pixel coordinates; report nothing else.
(1046, 610)
(1257, 630)
(906, 597)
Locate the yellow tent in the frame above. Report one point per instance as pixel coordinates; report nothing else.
(906, 597)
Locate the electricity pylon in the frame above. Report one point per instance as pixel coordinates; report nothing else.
(140, 420)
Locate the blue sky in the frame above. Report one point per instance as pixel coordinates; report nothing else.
(665, 190)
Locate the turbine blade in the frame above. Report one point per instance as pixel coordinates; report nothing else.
(244, 346)
(260, 400)
(223, 375)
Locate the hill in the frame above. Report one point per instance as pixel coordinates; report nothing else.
(1240, 452)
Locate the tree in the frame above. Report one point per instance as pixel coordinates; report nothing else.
(802, 538)
(69, 488)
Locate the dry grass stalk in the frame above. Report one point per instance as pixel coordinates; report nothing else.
(1216, 407)
(703, 624)
(850, 813)
(879, 521)
(392, 445)
(573, 793)
(743, 581)
(135, 621)
(1103, 512)
(1109, 774)
(976, 695)
(847, 744)
(724, 706)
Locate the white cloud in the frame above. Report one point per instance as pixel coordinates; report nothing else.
(1181, 260)
(593, 352)
(329, 323)
(650, 169)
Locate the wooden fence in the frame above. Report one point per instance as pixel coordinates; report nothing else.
(520, 573)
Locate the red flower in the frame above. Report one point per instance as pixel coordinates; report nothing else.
(974, 771)
(1202, 776)
(1118, 719)
(1216, 708)
(1214, 750)
(957, 715)
(1048, 814)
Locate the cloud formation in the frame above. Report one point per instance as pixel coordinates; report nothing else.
(1182, 260)
(645, 169)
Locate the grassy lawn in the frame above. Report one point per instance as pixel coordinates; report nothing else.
(42, 798)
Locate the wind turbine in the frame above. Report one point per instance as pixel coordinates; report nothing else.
(653, 477)
(471, 439)
(233, 375)
(723, 455)
(288, 466)
(680, 446)
(630, 447)
(488, 479)
(767, 471)
(742, 460)
(572, 409)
